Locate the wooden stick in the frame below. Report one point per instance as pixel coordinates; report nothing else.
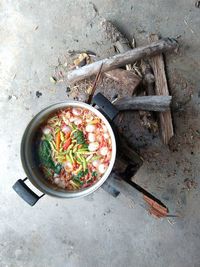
(95, 85)
(161, 88)
(120, 60)
(150, 103)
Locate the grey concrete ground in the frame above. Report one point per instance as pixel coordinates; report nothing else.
(97, 230)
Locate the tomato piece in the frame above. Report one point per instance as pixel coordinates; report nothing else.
(75, 165)
(67, 143)
(67, 135)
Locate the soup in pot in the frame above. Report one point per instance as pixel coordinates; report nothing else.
(74, 149)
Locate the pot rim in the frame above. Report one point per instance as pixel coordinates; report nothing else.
(29, 170)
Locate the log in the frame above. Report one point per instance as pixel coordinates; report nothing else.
(120, 60)
(125, 78)
(150, 103)
(161, 88)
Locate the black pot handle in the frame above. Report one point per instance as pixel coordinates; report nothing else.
(25, 192)
(105, 106)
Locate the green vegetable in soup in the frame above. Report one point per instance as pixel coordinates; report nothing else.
(78, 181)
(77, 178)
(78, 135)
(80, 175)
(57, 168)
(86, 171)
(94, 174)
(85, 146)
(45, 157)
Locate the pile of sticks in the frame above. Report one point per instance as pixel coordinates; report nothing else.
(153, 70)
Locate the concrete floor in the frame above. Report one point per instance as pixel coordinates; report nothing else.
(97, 230)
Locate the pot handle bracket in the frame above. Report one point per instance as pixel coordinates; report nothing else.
(105, 106)
(25, 192)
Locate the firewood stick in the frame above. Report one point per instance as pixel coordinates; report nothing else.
(94, 85)
(150, 103)
(161, 88)
(120, 60)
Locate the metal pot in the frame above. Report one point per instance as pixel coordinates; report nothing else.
(108, 112)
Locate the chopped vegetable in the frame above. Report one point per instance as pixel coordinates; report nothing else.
(70, 147)
(95, 157)
(94, 174)
(58, 139)
(66, 144)
(74, 183)
(67, 135)
(78, 135)
(68, 158)
(79, 175)
(79, 169)
(45, 158)
(71, 156)
(84, 164)
(86, 171)
(62, 137)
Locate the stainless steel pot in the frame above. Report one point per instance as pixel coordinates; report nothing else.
(28, 152)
